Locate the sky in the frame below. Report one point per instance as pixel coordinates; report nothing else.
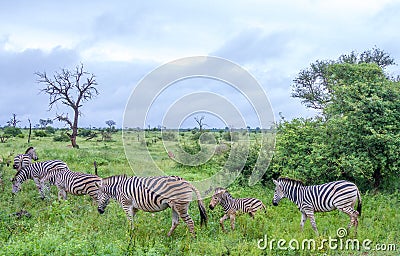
(122, 42)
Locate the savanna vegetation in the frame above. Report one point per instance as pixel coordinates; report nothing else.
(74, 227)
(356, 137)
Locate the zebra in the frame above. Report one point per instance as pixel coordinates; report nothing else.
(22, 160)
(75, 183)
(232, 205)
(341, 195)
(35, 172)
(152, 194)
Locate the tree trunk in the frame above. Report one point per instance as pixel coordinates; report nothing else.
(30, 131)
(75, 129)
(377, 177)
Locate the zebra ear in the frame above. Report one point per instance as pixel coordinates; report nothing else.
(275, 182)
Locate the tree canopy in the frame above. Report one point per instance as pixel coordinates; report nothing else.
(357, 137)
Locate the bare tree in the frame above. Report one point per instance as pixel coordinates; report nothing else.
(199, 121)
(13, 121)
(70, 88)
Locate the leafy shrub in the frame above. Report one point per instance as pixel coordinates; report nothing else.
(40, 134)
(63, 137)
(12, 131)
(50, 130)
(86, 133)
(169, 136)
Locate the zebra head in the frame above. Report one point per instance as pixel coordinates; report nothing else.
(279, 194)
(216, 198)
(103, 197)
(16, 184)
(32, 153)
(17, 162)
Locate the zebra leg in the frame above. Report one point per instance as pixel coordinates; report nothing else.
(232, 217)
(39, 186)
(62, 193)
(221, 221)
(130, 212)
(175, 221)
(353, 217)
(182, 210)
(303, 220)
(313, 224)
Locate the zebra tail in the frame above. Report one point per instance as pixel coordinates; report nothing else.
(264, 208)
(202, 208)
(359, 204)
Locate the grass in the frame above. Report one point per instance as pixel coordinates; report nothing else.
(74, 227)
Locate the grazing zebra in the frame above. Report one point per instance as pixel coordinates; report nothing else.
(75, 183)
(35, 172)
(232, 205)
(22, 160)
(341, 195)
(152, 194)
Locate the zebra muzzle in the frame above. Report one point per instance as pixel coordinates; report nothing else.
(211, 207)
(274, 203)
(101, 211)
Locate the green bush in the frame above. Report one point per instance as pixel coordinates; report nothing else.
(169, 136)
(12, 131)
(40, 134)
(86, 133)
(50, 130)
(63, 137)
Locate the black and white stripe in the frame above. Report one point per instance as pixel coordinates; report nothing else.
(35, 172)
(152, 194)
(22, 160)
(232, 205)
(74, 183)
(341, 195)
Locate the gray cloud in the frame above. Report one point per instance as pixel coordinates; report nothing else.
(120, 43)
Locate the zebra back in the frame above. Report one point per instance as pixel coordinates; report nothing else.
(151, 193)
(75, 183)
(322, 197)
(228, 202)
(38, 169)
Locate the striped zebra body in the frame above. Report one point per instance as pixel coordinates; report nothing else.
(23, 160)
(233, 205)
(35, 172)
(151, 194)
(74, 183)
(341, 195)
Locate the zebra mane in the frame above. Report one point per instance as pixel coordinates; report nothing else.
(29, 149)
(220, 189)
(293, 181)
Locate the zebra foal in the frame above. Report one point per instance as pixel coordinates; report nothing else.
(232, 205)
(35, 172)
(152, 194)
(22, 160)
(341, 195)
(74, 183)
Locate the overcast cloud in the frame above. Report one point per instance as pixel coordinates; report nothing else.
(122, 41)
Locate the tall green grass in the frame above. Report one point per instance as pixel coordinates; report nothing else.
(74, 227)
